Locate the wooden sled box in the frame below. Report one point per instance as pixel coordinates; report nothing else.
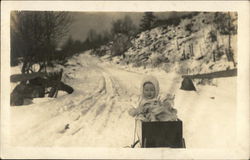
(162, 134)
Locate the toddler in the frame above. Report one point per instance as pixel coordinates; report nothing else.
(151, 108)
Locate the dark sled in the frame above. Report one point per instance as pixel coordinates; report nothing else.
(157, 134)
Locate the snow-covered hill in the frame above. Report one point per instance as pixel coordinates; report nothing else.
(195, 37)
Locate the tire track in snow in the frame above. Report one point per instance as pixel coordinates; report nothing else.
(102, 105)
(88, 104)
(105, 111)
(91, 112)
(115, 98)
(111, 95)
(101, 101)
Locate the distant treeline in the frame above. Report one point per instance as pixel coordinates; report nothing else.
(121, 32)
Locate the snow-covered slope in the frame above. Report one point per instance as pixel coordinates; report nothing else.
(95, 115)
(196, 37)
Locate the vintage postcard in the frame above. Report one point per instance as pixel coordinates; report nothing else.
(128, 79)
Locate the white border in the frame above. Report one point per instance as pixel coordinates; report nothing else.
(242, 147)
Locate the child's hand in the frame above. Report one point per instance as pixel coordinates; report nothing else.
(158, 110)
(132, 112)
(173, 110)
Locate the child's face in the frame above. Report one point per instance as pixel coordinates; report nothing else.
(148, 90)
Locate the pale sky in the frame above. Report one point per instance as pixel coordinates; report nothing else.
(100, 21)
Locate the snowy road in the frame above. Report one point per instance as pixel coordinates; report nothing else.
(95, 115)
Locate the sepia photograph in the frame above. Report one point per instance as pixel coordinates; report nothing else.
(123, 79)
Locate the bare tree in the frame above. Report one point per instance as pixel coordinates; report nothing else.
(124, 26)
(225, 24)
(122, 30)
(148, 20)
(36, 34)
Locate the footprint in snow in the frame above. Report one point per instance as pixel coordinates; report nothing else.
(65, 128)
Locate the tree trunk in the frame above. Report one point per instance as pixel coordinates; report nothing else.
(177, 44)
(230, 51)
(214, 56)
(23, 70)
(191, 50)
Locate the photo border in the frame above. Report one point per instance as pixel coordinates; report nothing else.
(241, 150)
